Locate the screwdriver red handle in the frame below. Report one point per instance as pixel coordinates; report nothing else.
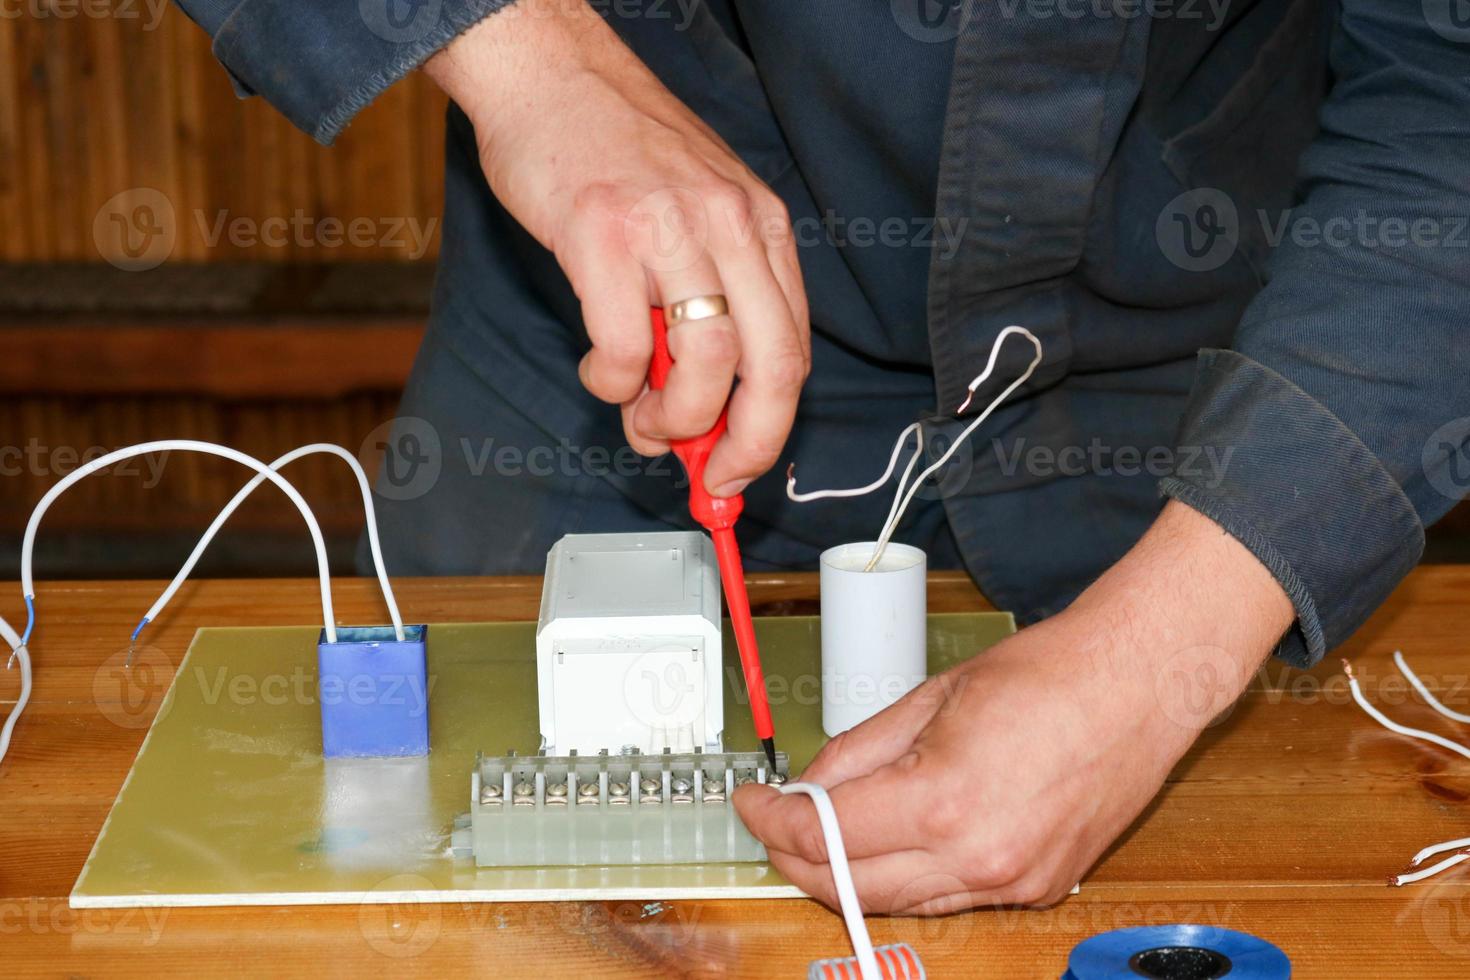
(718, 515)
(711, 512)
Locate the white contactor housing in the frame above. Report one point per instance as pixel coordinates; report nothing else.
(628, 647)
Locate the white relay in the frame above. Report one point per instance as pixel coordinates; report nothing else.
(628, 646)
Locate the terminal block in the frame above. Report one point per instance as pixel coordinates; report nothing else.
(632, 808)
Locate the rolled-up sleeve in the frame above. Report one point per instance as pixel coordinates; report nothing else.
(321, 61)
(1343, 406)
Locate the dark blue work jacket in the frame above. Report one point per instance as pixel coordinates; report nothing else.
(1238, 228)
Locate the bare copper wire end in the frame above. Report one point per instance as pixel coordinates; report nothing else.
(790, 472)
(966, 403)
(1347, 668)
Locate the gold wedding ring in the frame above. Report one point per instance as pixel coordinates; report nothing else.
(697, 308)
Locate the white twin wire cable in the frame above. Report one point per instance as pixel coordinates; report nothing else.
(1409, 877)
(847, 898)
(28, 586)
(17, 642)
(224, 515)
(903, 497)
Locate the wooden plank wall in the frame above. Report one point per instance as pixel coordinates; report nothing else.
(93, 106)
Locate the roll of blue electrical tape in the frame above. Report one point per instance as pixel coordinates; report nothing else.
(1179, 952)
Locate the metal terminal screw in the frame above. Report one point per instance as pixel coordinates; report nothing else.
(617, 789)
(714, 791)
(490, 794)
(775, 779)
(744, 777)
(681, 785)
(650, 791)
(556, 794)
(587, 793)
(524, 794)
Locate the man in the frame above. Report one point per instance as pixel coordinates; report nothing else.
(1232, 446)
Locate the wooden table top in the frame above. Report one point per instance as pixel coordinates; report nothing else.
(1283, 821)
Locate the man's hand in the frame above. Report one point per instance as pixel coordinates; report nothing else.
(642, 204)
(1003, 780)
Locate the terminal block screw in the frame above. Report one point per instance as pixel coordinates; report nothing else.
(617, 789)
(775, 779)
(490, 793)
(714, 791)
(649, 791)
(587, 793)
(556, 794)
(524, 794)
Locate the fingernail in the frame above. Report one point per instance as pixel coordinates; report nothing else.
(730, 489)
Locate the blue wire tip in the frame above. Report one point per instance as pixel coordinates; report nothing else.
(25, 637)
(145, 622)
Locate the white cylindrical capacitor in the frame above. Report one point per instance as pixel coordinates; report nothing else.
(873, 630)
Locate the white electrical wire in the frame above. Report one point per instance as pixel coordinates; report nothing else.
(249, 488)
(852, 912)
(1434, 849)
(1394, 726)
(1434, 702)
(902, 498)
(877, 484)
(18, 652)
(28, 587)
(1409, 877)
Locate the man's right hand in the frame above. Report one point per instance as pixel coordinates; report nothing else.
(642, 204)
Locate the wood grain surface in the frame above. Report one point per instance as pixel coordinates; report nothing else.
(107, 97)
(1283, 821)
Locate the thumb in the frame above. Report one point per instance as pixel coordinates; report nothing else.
(880, 740)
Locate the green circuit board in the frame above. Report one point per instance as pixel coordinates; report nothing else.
(230, 801)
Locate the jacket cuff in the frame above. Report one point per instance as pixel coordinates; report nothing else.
(1301, 491)
(319, 63)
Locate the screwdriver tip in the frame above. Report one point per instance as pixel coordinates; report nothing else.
(769, 744)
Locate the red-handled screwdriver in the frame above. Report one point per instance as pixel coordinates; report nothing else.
(718, 515)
